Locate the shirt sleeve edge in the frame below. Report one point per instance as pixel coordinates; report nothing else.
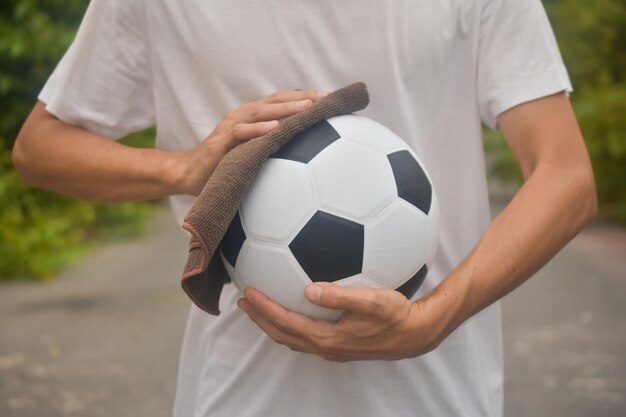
(551, 81)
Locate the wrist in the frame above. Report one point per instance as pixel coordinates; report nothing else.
(188, 171)
(176, 173)
(446, 305)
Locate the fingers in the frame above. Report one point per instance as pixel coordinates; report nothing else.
(356, 300)
(263, 111)
(245, 131)
(284, 319)
(280, 324)
(276, 106)
(255, 119)
(295, 95)
(247, 121)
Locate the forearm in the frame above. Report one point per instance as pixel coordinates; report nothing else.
(549, 209)
(54, 155)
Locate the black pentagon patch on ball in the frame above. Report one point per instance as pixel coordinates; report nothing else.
(411, 181)
(329, 247)
(305, 145)
(233, 240)
(410, 287)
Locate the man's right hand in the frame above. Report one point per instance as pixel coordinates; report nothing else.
(246, 122)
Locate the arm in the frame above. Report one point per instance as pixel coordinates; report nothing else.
(58, 156)
(557, 199)
(555, 202)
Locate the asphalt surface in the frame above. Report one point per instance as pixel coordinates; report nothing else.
(104, 338)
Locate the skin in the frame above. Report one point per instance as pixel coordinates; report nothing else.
(558, 196)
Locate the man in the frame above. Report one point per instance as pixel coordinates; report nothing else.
(435, 70)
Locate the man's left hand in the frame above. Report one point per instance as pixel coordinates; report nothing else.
(377, 323)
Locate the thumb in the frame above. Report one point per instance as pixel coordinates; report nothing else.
(325, 294)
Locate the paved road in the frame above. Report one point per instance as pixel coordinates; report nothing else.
(565, 332)
(103, 339)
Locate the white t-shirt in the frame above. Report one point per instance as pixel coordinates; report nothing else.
(435, 69)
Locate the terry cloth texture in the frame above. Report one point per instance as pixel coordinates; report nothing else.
(204, 275)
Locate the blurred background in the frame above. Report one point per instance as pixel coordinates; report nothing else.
(75, 340)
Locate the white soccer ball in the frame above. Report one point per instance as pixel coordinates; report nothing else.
(346, 201)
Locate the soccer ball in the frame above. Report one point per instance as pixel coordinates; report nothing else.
(345, 201)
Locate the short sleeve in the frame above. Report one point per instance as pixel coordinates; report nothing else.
(518, 57)
(103, 83)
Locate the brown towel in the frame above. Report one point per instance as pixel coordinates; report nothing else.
(204, 275)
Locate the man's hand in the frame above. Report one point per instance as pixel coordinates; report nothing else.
(249, 121)
(378, 323)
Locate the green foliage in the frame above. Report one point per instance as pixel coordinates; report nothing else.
(41, 232)
(33, 36)
(592, 40)
(143, 139)
(500, 161)
(602, 117)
